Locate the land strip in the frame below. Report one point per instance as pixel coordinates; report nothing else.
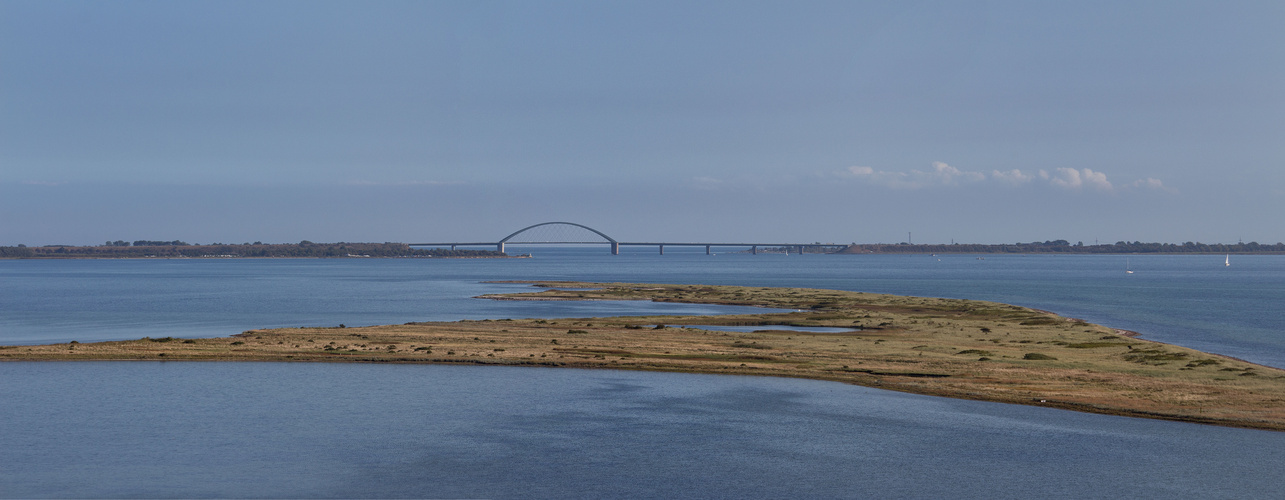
(1066, 247)
(943, 347)
(179, 250)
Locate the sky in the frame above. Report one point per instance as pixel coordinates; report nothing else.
(791, 121)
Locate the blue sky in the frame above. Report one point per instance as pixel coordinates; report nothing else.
(784, 121)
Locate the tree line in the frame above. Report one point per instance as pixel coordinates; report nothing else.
(1063, 246)
(307, 248)
(144, 243)
(301, 250)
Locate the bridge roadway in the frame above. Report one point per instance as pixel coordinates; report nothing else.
(615, 245)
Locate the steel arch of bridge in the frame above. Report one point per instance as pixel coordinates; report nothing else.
(615, 246)
(582, 226)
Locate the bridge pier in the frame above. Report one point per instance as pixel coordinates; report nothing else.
(706, 249)
(452, 248)
(499, 247)
(615, 248)
(754, 250)
(662, 249)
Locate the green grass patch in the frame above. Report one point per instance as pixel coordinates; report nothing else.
(1154, 356)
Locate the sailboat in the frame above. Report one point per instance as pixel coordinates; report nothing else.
(1127, 270)
(1227, 261)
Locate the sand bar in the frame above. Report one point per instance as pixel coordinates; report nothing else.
(943, 347)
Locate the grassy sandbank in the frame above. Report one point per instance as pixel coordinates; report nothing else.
(943, 347)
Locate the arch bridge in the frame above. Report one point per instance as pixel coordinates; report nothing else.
(571, 233)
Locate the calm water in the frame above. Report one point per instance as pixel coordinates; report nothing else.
(309, 430)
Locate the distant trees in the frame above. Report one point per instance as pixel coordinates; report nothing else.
(143, 243)
(18, 252)
(1063, 246)
(305, 248)
(177, 248)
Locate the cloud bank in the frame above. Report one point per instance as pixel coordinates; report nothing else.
(944, 175)
(940, 175)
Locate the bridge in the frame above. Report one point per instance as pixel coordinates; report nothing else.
(570, 233)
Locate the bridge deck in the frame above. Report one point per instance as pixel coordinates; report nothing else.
(615, 245)
(629, 243)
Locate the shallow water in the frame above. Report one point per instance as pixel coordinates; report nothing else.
(154, 429)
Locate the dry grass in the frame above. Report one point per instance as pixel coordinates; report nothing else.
(955, 348)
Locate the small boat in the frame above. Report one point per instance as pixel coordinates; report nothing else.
(1127, 270)
(1227, 261)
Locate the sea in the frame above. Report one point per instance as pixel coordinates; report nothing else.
(300, 430)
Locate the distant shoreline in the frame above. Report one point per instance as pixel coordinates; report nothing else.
(304, 249)
(1066, 247)
(522, 256)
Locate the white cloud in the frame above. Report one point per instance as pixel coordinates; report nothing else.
(1073, 179)
(1014, 176)
(1067, 177)
(891, 179)
(947, 174)
(1097, 180)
